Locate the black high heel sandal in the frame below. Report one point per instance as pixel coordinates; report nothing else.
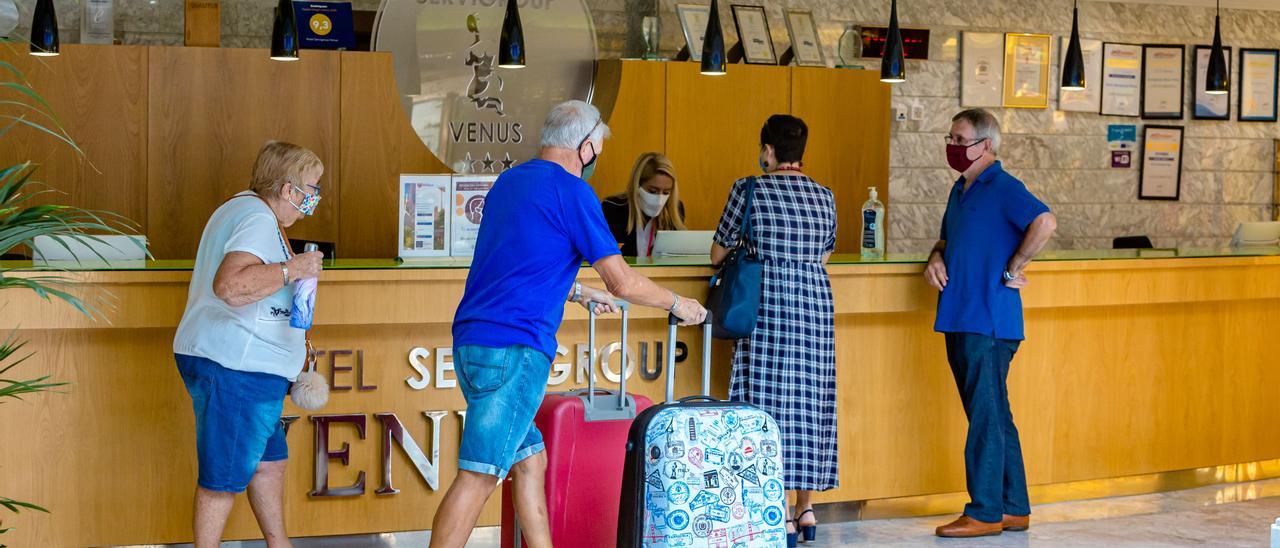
(808, 532)
(793, 539)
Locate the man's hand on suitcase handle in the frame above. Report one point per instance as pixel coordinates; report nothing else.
(690, 312)
(604, 302)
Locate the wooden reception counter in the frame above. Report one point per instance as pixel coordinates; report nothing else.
(1135, 363)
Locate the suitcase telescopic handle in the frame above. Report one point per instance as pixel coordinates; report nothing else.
(625, 307)
(672, 323)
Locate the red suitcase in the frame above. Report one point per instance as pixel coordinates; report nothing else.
(585, 434)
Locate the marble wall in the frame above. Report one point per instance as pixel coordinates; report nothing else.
(1062, 156)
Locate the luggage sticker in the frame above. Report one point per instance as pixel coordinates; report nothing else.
(750, 475)
(718, 512)
(679, 493)
(728, 495)
(714, 456)
(676, 470)
(703, 499)
(747, 447)
(769, 448)
(654, 480)
(701, 527)
(711, 479)
(675, 449)
(678, 520)
(695, 456)
(772, 515)
(768, 467)
(680, 541)
(772, 491)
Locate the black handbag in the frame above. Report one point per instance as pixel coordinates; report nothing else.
(735, 289)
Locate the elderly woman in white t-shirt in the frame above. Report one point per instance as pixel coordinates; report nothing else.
(235, 348)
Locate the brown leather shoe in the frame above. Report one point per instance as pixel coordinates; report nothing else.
(1016, 523)
(966, 527)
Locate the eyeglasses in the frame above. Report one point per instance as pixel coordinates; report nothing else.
(951, 140)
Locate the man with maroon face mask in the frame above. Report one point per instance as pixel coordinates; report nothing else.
(992, 228)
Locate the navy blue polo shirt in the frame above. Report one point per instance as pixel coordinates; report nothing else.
(983, 227)
(540, 223)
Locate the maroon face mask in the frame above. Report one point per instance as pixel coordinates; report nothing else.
(958, 156)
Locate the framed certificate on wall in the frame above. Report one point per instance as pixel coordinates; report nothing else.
(693, 20)
(1257, 85)
(1161, 177)
(1090, 98)
(1208, 106)
(753, 35)
(805, 44)
(1121, 79)
(1026, 70)
(1163, 81)
(982, 69)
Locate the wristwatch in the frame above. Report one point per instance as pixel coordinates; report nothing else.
(284, 272)
(577, 292)
(674, 303)
(1008, 277)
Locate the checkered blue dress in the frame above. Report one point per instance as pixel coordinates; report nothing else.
(788, 365)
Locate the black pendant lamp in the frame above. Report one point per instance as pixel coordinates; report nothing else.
(713, 57)
(892, 63)
(284, 33)
(511, 45)
(44, 30)
(1073, 66)
(1217, 80)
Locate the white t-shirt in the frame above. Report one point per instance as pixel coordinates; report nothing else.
(256, 337)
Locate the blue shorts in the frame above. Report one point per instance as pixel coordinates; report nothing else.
(503, 388)
(237, 421)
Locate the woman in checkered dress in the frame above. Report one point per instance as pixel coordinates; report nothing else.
(788, 366)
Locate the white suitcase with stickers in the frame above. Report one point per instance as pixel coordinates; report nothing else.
(702, 472)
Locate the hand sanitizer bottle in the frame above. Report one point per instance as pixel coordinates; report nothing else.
(872, 227)
(304, 298)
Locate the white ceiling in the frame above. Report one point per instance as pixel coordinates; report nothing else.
(1273, 5)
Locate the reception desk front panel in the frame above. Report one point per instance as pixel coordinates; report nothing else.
(1132, 365)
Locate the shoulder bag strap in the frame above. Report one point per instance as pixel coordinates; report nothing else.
(744, 227)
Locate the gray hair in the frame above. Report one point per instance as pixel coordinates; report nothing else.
(985, 125)
(568, 123)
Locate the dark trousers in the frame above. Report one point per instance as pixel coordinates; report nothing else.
(995, 476)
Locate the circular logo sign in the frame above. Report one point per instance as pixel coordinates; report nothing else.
(473, 210)
(320, 24)
(474, 115)
(773, 490)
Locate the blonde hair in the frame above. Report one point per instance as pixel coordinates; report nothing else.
(280, 163)
(648, 165)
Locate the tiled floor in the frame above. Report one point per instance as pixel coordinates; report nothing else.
(1226, 515)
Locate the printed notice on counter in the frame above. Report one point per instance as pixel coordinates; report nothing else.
(469, 192)
(424, 215)
(1122, 139)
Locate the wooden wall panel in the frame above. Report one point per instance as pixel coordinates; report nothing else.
(210, 112)
(377, 145)
(100, 95)
(632, 97)
(713, 130)
(847, 112)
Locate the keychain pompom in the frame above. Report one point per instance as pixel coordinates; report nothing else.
(310, 391)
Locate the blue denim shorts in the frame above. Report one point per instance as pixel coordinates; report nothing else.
(503, 388)
(237, 421)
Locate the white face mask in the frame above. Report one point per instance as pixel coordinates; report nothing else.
(651, 204)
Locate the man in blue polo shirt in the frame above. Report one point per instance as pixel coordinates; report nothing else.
(541, 221)
(991, 230)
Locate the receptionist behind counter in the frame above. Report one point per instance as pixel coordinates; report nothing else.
(650, 203)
